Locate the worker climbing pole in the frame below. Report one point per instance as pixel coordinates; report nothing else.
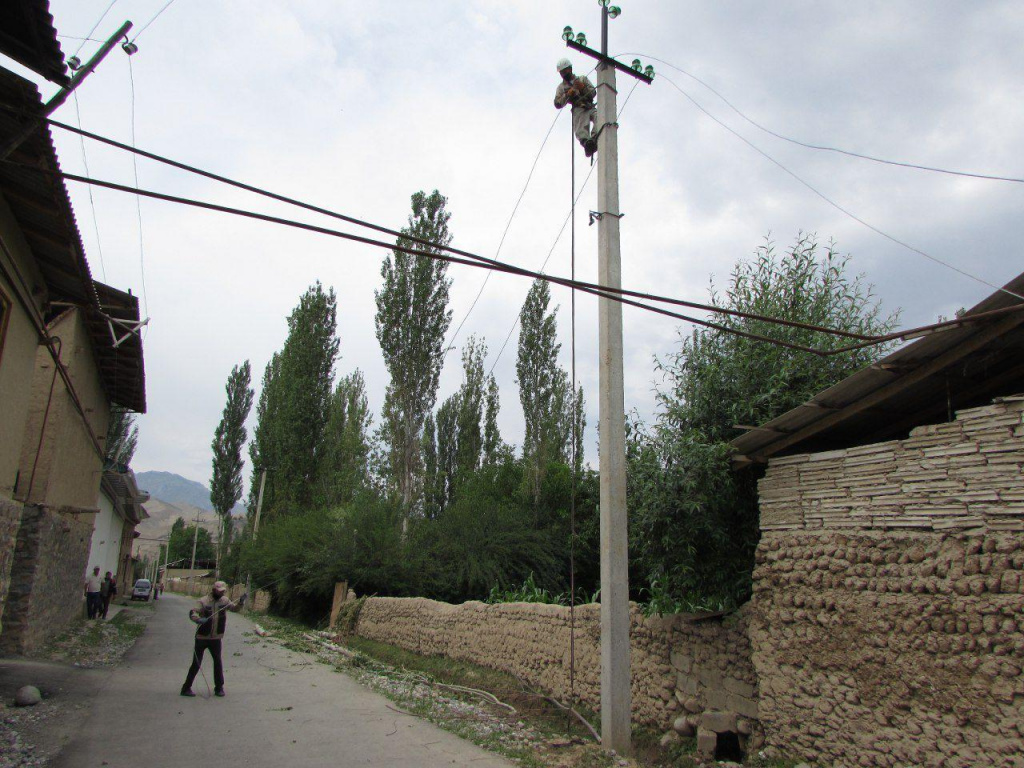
(615, 674)
(581, 94)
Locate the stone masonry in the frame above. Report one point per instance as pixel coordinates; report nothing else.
(685, 671)
(887, 623)
(46, 587)
(10, 521)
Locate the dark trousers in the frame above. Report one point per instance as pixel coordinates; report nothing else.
(213, 646)
(93, 604)
(106, 604)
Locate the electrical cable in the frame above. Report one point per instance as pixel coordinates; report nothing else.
(88, 35)
(480, 262)
(139, 33)
(138, 201)
(832, 202)
(515, 320)
(574, 436)
(515, 208)
(92, 203)
(822, 147)
(386, 230)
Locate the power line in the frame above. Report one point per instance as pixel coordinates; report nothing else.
(92, 203)
(88, 35)
(138, 201)
(515, 321)
(480, 262)
(833, 203)
(139, 33)
(515, 208)
(825, 148)
(395, 233)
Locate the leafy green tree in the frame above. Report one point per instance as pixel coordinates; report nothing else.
(471, 402)
(694, 522)
(345, 466)
(295, 405)
(411, 321)
(228, 439)
(544, 390)
(180, 544)
(122, 437)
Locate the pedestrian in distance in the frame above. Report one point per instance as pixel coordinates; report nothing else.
(581, 94)
(107, 591)
(93, 601)
(210, 614)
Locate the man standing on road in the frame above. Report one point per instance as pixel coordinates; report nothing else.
(210, 614)
(93, 601)
(581, 94)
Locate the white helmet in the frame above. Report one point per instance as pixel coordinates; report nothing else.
(563, 64)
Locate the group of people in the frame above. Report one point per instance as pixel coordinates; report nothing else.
(98, 593)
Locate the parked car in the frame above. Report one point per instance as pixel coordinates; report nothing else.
(143, 589)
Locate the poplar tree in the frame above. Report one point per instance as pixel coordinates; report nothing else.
(122, 437)
(294, 406)
(447, 450)
(228, 439)
(411, 322)
(544, 390)
(492, 435)
(472, 394)
(431, 488)
(345, 466)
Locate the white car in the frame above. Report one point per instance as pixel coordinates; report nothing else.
(143, 589)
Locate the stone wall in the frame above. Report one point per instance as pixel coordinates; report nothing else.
(10, 521)
(682, 667)
(887, 623)
(46, 586)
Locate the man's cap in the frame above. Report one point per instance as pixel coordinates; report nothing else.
(222, 586)
(563, 64)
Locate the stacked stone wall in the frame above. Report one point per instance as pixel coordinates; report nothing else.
(682, 668)
(887, 623)
(10, 521)
(47, 575)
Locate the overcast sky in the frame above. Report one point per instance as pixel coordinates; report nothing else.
(355, 106)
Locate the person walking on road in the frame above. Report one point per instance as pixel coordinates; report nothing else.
(210, 613)
(581, 94)
(107, 591)
(93, 601)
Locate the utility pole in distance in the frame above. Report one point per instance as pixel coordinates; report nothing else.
(616, 696)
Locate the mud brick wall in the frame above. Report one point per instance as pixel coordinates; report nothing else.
(10, 520)
(887, 622)
(680, 667)
(47, 576)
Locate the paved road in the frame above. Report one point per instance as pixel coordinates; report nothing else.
(138, 718)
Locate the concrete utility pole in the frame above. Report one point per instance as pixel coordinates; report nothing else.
(616, 694)
(256, 522)
(195, 541)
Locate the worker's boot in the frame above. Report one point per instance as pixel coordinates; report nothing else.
(590, 147)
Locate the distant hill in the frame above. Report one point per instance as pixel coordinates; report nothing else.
(177, 490)
(173, 496)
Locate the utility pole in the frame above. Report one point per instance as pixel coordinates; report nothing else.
(616, 696)
(256, 522)
(195, 541)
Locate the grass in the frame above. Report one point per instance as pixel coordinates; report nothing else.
(97, 643)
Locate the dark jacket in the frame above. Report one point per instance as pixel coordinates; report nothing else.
(212, 616)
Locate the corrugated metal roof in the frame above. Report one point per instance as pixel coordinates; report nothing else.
(921, 383)
(28, 36)
(42, 208)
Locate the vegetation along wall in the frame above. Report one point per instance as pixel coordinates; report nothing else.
(887, 621)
